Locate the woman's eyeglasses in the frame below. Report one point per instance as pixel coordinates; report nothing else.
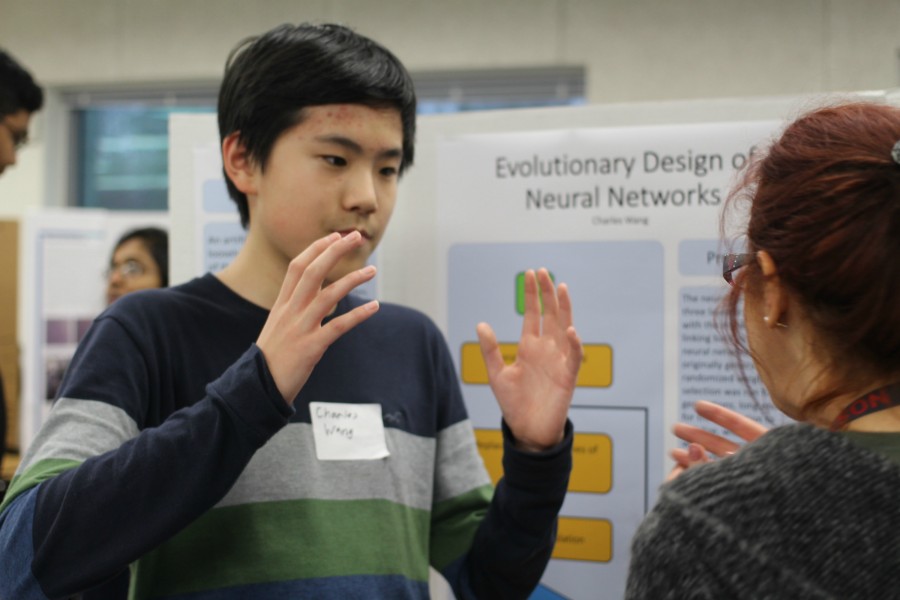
(733, 262)
(127, 270)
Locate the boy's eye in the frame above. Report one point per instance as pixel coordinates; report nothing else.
(337, 161)
(389, 171)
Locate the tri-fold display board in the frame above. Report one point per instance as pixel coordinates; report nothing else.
(622, 203)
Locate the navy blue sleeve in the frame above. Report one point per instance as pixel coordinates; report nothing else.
(513, 543)
(96, 509)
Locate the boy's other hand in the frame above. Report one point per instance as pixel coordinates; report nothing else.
(535, 391)
(294, 338)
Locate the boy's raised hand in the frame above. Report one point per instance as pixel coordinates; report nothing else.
(535, 391)
(294, 338)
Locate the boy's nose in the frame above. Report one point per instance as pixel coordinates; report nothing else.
(361, 194)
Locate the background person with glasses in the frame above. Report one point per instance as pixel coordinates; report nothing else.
(140, 261)
(20, 98)
(808, 510)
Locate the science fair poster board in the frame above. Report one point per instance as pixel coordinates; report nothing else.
(621, 202)
(64, 257)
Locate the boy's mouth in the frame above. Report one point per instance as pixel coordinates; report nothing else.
(345, 232)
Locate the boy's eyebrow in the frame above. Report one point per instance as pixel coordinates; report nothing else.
(354, 147)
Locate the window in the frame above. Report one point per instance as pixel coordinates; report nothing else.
(120, 139)
(121, 145)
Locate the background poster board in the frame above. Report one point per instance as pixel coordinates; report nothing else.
(627, 216)
(64, 255)
(645, 276)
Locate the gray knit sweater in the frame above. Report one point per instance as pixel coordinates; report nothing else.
(800, 513)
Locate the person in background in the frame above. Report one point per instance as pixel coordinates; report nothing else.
(807, 510)
(20, 98)
(140, 261)
(263, 433)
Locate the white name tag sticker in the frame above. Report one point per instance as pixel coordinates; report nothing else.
(348, 431)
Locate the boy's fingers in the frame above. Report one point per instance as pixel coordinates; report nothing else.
(565, 306)
(341, 325)
(332, 294)
(313, 275)
(531, 324)
(576, 351)
(548, 293)
(299, 264)
(549, 307)
(490, 349)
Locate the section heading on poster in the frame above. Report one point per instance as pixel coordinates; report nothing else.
(616, 196)
(698, 164)
(615, 193)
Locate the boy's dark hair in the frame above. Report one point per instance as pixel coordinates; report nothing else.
(156, 241)
(270, 79)
(18, 91)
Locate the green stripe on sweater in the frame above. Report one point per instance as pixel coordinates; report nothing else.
(282, 541)
(35, 474)
(455, 522)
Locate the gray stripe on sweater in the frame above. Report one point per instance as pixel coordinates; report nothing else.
(78, 430)
(292, 450)
(407, 476)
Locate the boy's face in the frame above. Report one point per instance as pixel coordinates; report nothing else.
(335, 171)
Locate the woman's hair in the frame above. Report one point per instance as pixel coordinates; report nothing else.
(824, 202)
(156, 241)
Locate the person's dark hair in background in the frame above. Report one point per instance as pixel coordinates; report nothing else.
(18, 90)
(20, 97)
(338, 68)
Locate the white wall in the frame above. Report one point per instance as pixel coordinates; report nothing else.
(633, 50)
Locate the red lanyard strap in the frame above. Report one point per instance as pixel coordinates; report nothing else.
(874, 401)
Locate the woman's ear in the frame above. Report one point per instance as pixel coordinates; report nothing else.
(240, 168)
(775, 297)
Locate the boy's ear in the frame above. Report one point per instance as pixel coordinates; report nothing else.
(238, 165)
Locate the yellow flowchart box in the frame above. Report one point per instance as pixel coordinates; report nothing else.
(596, 365)
(591, 460)
(583, 539)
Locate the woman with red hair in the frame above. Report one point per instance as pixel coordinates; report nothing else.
(810, 510)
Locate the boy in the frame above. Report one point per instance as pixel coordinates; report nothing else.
(258, 433)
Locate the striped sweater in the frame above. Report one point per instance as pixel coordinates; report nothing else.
(171, 449)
